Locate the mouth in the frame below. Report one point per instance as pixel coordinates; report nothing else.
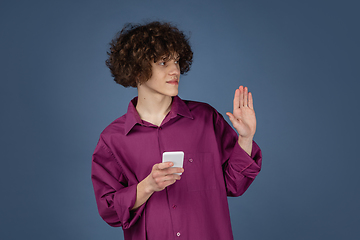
(173, 82)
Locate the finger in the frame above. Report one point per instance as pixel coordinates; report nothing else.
(161, 169)
(232, 118)
(245, 97)
(230, 115)
(236, 99)
(161, 185)
(172, 170)
(241, 102)
(164, 165)
(251, 104)
(170, 182)
(170, 177)
(178, 170)
(167, 180)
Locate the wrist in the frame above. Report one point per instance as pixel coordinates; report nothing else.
(246, 144)
(146, 186)
(245, 140)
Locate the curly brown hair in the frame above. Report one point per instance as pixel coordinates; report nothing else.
(135, 46)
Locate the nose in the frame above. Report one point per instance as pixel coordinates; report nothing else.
(174, 68)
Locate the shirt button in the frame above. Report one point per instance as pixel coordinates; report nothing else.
(174, 206)
(191, 160)
(178, 234)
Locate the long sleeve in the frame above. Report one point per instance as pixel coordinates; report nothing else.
(215, 166)
(114, 197)
(239, 168)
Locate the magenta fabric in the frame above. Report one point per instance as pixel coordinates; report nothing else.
(196, 206)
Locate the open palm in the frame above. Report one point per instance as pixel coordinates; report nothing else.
(243, 116)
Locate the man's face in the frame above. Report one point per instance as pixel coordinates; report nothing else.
(165, 77)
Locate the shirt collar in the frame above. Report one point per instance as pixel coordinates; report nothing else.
(178, 107)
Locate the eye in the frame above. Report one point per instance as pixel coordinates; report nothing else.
(162, 63)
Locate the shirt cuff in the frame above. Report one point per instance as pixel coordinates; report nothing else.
(249, 166)
(124, 202)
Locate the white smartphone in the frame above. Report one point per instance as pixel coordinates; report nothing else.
(176, 157)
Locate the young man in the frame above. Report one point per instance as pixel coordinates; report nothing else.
(133, 188)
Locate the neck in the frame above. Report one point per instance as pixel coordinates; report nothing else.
(153, 108)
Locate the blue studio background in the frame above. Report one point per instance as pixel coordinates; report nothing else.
(299, 58)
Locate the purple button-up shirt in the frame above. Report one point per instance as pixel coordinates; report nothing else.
(193, 208)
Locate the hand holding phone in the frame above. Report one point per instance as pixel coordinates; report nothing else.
(176, 157)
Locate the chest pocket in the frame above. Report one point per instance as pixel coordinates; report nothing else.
(200, 171)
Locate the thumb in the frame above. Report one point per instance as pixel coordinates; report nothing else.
(233, 120)
(231, 116)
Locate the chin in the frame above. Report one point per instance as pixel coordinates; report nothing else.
(172, 94)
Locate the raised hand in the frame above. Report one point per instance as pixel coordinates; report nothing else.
(243, 117)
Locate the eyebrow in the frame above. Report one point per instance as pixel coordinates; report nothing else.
(169, 57)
